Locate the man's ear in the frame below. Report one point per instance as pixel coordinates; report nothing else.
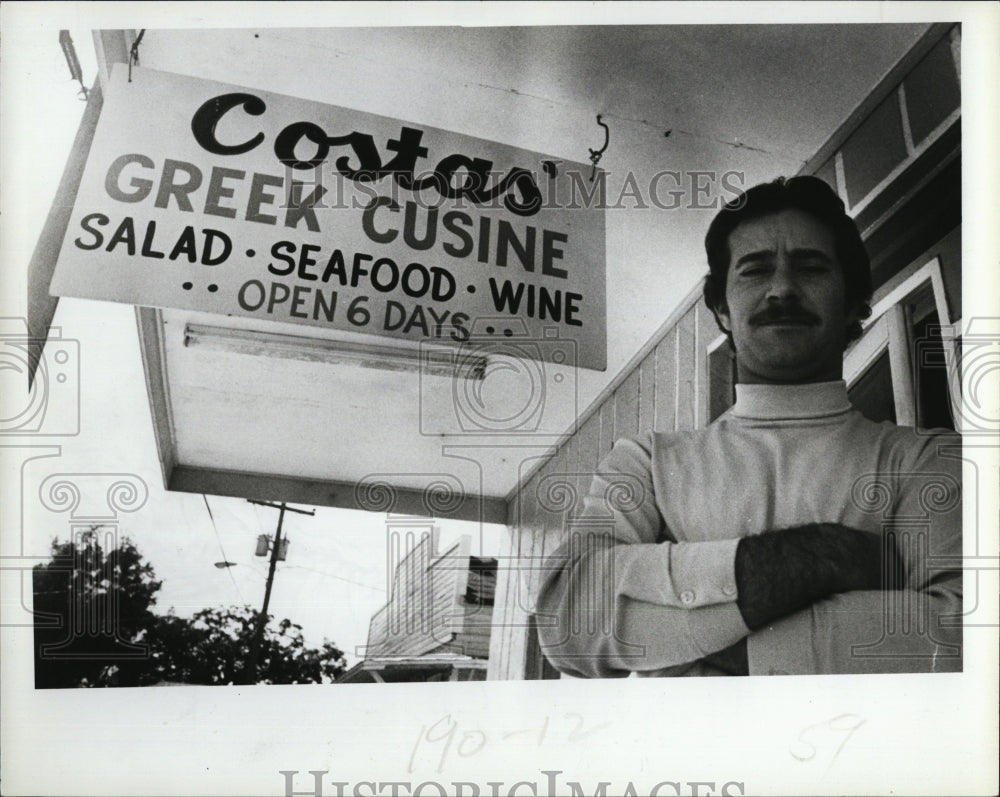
(855, 313)
(721, 314)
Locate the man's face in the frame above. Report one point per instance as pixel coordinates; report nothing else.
(785, 300)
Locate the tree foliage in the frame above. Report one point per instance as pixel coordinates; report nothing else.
(213, 648)
(94, 626)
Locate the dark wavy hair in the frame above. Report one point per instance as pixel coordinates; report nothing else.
(805, 193)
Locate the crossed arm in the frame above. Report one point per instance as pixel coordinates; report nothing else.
(796, 600)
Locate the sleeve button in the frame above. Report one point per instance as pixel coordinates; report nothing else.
(729, 589)
(687, 596)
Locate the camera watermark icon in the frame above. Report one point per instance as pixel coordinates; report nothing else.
(503, 381)
(51, 407)
(918, 623)
(970, 361)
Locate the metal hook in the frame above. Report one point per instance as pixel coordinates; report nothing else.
(595, 154)
(134, 53)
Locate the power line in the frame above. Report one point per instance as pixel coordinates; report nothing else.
(223, 550)
(333, 575)
(256, 515)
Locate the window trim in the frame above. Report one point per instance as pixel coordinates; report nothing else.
(888, 328)
(710, 349)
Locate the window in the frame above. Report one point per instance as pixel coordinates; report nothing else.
(721, 377)
(482, 582)
(934, 409)
(872, 394)
(898, 370)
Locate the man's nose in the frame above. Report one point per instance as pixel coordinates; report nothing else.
(783, 284)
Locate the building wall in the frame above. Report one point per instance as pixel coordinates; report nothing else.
(420, 615)
(665, 388)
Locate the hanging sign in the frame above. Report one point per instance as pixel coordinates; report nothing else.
(204, 196)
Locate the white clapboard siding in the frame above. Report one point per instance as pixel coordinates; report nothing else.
(427, 608)
(664, 389)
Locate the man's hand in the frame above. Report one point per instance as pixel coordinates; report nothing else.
(732, 660)
(781, 572)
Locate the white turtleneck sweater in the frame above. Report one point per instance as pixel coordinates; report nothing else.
(660, 594)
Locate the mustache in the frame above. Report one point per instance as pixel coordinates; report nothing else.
(778, 314)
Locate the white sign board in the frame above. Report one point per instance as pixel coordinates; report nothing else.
(205, 196)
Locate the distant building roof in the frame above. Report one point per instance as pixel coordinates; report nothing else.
(402, 669)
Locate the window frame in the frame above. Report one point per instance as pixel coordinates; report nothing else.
(890, 328)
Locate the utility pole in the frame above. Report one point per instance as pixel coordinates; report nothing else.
(251, 673)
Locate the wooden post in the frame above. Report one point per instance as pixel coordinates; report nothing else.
(258, 633)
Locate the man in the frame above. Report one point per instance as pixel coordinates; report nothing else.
(792, 535)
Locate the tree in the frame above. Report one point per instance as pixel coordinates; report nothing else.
(95, 626)
(213, 647)
(91, 610)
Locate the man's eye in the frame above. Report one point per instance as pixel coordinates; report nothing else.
(752, 271)
(814, 267)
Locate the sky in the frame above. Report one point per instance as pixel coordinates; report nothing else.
(336, 574)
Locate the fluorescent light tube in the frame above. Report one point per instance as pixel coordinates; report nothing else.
(433, 361)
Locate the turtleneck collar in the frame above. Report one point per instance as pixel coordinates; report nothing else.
(780, 402)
